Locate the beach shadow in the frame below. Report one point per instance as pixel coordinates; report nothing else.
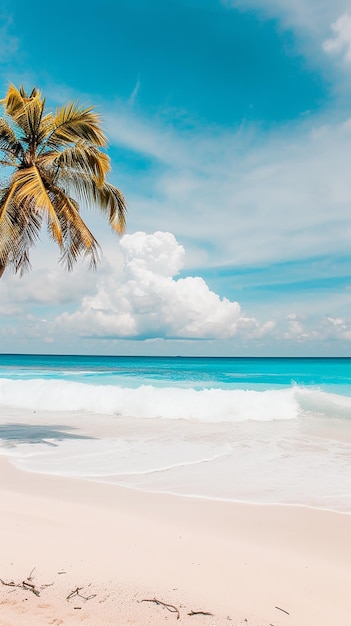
(14, 434)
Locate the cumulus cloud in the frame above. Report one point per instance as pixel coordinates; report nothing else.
(340, 43)
(149, 300)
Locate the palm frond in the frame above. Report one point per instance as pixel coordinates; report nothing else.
(33, 114)
(77, 238)
(30, 187)
(8, 140)
(19, 229)
(26, 111)
(56, 161)
(79, 185)
(84, 158)
(73, 123)
(6, 199)
(46, 127)
(106, 197)
(8, 163)
(13, 101)
(27, 235)
(7, 230)
(110, 198)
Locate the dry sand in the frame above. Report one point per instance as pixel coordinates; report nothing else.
(238, 562)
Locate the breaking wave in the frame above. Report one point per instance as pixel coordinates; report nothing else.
(147, 401)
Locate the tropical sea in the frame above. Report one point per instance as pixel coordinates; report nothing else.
(258, 430)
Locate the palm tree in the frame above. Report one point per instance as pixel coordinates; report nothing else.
(55, 163)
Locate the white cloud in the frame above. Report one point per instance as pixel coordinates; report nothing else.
(233, 197)
(310, 21)
(301, 329)
(159, 253)
(310, 17)
(46, 286)
(148, 301)
(136, 134)
(139, 295)
(337, 322)
(335, 328)
(340, 43)
(133, 95)
(242, 198)
(296, 329)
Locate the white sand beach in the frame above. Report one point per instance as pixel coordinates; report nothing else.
(244, 564)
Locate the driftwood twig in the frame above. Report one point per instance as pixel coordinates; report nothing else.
(30, 587)
(30, 577)
(10, 584)
(279, 609)
(169, 607)
(76, 592)
(23, 585)
(200, 613)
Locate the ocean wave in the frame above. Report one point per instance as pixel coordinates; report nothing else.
(147, 401)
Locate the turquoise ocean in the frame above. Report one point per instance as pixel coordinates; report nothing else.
(259, 430)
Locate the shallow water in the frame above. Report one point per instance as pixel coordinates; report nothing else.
(252, 430)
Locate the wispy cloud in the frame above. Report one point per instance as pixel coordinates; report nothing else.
(307, 16)
(340, 43)
(133, 95)
(253, 197)
(301, 329)
(309, 20)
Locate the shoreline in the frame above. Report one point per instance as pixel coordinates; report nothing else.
(282, 473)
(237, 561)
(110, 480)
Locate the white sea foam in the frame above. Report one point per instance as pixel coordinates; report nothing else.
(288, 446)
(147, 401)
(266, 462)
(113, 457)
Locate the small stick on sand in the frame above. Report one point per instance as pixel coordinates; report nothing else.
(30, 577)
(76, 592)
(169, 607)
(279, 609)
(200, 613)
(30, 587)
(10, 584)
(24, 585)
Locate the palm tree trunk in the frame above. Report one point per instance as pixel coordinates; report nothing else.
(2, 269)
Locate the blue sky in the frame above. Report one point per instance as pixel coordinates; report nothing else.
(229, 126)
